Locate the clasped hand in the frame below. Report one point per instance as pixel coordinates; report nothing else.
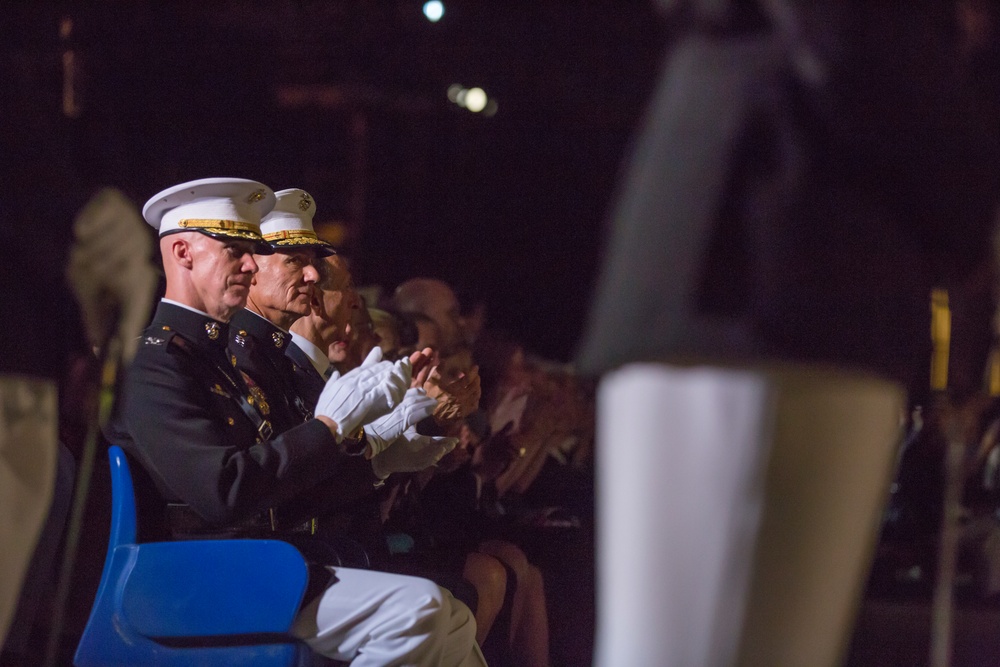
(364, 394)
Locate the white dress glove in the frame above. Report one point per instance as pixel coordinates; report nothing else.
(415, 407)
(365, 393)
(411, 453)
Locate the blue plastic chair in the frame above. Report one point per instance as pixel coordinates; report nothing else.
(217, 603)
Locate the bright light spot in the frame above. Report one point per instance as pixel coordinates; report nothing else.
(453, 91)
(434, 10)
(475, 100)
(460, 97)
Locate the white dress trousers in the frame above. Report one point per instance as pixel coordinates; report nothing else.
(379, 619)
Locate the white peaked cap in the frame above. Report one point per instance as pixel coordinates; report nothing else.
(290, 223)
(217, 207)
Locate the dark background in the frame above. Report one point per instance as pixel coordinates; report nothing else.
(348, 101)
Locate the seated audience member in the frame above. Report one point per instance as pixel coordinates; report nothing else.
(447, 503)
(452, 512)
(550, 410)
(333, 304)
(436, 301)
(386, 327)
(280, 294)
(203, 440)
(320, 338)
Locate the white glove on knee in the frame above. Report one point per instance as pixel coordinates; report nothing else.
(415, 407)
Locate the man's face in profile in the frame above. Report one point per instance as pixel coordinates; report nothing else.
(221, 272)
(335, 301)
(285, 281)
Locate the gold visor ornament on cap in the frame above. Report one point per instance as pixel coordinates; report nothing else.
(290, 224)
(291, 237)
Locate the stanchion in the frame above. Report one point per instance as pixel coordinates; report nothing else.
(110, 361)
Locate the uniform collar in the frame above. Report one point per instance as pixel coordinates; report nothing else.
(191, 323)
(261, 329)
(316, 356)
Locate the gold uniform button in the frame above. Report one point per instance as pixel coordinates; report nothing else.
(230, 421)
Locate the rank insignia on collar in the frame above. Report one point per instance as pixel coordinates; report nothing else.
(241, 338)
(279, 339)
(212, 329)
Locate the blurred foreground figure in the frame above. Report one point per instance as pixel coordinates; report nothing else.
(110, 275)
(805, 174)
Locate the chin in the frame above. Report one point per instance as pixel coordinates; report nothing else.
(231, 305)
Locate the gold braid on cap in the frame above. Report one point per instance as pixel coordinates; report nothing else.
(205, 223)
(234, 228)
(293, 237)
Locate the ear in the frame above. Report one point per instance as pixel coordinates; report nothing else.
(180, 250)
(316, 304)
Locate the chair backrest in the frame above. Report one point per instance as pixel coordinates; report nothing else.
(123, 518)
(202, 602)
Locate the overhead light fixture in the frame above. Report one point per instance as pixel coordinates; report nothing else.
(434, 10)
(474, 99)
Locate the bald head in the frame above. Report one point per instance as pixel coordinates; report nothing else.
(435, 300)
(212, 275)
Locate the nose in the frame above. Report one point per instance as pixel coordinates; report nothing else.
(310, 274)
(249, 263)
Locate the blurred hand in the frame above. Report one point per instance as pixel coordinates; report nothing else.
(411, 453)
(421, 361)
(110, 271)
(456, 399)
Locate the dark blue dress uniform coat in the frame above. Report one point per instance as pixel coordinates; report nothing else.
(308, 382)
(259, 348)
(181, 418)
